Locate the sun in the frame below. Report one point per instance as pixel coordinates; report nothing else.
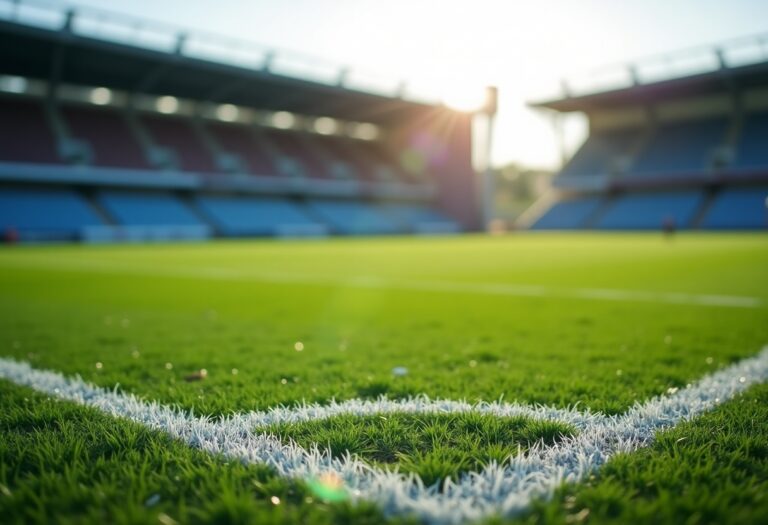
(465, 97)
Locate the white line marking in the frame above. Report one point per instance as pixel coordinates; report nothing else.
(384, 283)
(497, 490)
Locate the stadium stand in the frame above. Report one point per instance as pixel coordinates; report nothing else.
(739, 208)
(177, 135)
(752, 148)
(347, 157)
(141, 208)
(568, 214)
(689, 150)
(649, 211)
(242, 141)
(685, 147)
(25, 135)
(602, 152)
(134, 140)
(44, 214)
(355, 218)
(106, 132)
(249, 216)
(297, 148)
(418, 219)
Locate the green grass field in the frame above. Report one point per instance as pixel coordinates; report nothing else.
(594, 321)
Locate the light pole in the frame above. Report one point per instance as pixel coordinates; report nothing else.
(488, 181)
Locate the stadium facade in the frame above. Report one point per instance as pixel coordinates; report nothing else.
(119, 129)
(679, 141)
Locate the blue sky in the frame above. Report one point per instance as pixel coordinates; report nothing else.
(523, 47)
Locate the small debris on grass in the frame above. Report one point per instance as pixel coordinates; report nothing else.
(275, 500)
(153, 500)
(165, 519)
(399, 371)
(578, 517)
(196, 376)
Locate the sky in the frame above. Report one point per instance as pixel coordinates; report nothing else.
(453, 49)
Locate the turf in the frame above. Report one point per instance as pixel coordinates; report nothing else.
(435, 446)
(147, 317)
(710, 470)
(61, 463)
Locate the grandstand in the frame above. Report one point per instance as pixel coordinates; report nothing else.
(671, 147)
(116, 129)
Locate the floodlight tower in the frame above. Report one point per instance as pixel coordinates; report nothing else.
(488, 181)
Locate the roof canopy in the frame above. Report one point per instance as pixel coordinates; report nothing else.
(62, 55)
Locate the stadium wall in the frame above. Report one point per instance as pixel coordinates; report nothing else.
(117, 115)
(684, 153)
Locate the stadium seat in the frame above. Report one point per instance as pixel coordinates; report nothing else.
(45, 214)
(106, 131)
(601, 150)
(176, 134)
(141, 208)
(568, 215)
(239, 139)
(291, 146)
(681, 148)
(421, 219)
(25, 134)
(387, 161)
(649, 211)
(752, 148)
(346, 151)
(244, 216)
(355, 217)
(738, 208)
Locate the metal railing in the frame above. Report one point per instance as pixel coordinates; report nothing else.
(159, 36)
(698, 60)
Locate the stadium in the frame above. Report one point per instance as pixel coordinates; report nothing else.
(241, 284)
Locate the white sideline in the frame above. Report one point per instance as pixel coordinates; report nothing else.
(384, 283)
(497, 490)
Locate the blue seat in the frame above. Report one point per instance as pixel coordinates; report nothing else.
(136, 208)
(568, 215)
(738, 208)
(752, 148)
(643, 211)
(420, 218)
(685, 147)
(45, 214)
(244, 216)
(595, 156)
(355, 218)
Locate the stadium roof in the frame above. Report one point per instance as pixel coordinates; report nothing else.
(732, 67)
(66, 51)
